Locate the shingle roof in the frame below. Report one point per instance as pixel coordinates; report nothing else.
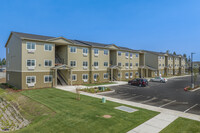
(32, 36)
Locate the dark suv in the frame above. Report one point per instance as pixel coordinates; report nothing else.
(139, 82)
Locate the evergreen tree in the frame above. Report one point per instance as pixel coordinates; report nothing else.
(174, 53)
(3, 61)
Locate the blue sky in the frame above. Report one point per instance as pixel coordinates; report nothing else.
(157, 25)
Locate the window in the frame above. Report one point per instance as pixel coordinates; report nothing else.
(126, 64)
(163, 64)
(8, 77)
(48, 63)
(95, 76)
(119, 75)
(131, 55)
(136, 64)
(136, 73)
(96, 63)
(30, 79)
(96, 51)
(126, 74)
(131, 74)
(105, 52)
(72, 63)
(85, 51)
(175, 65)
(127, 54)
(30, 46)
(85, 77)
(47, 78)
(119, 64)
(73, 49)
(8, 50)
(119, 53)
(159, 64)
(105, 64)
(73, 77)
(48, 47)
(131, 64)
(163, 57)
(85, 63)
(105, 75)
(30, 63)
(136, 55)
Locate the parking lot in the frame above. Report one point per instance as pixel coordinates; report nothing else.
(170, 95)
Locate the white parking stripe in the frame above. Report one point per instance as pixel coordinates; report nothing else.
(167, 103)
(190, 108)
(149, 100)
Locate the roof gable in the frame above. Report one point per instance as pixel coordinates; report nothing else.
(60, 40)
(112, 46)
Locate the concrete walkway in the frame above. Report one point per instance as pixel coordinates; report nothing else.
(154, 125)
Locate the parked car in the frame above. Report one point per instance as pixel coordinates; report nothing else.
(139, 82)
(159, 79)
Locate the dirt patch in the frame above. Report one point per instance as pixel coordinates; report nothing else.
(107, 116)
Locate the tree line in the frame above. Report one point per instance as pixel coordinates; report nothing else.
(2, 61)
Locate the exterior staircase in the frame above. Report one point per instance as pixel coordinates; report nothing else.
(61, 80)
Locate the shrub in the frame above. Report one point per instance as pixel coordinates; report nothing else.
(10, 86)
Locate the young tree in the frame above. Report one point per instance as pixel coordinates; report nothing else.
(3, 61)
(0, 62)
(174, 53)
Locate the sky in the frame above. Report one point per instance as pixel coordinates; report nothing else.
(157, 25)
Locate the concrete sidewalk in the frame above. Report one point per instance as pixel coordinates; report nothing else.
(154, 125)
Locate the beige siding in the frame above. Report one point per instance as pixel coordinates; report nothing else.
(14, 57)
(151, 60)
(40, 55)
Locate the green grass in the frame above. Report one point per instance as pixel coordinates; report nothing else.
(95, 84)
(182, 125)
(83, 116)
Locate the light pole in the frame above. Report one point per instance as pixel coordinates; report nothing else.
(192, 75)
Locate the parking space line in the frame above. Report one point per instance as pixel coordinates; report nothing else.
(190, 108)
(149, 100)
(167, 103)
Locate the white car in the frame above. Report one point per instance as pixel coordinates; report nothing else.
(159, 79)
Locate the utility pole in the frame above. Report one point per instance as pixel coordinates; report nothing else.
(192, 75)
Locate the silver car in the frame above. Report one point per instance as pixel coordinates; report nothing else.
(159, 79)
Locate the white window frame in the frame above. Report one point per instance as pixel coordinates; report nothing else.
(127, 55)
(48, 78)
(75, 63)
(75, 77)
(126, 75)
(31, 45)
(131, 55)
(31, 82)
(131, 75)
(119, 75)
(96, 76)
(72, 50)
(48, 63)
(83, 76)
(48, 47)
(120, 64)
(105, 53)
(104, 75)
(85, 51)
(136, 64)
(104, 64)
(136, 55)
(119, 53)
(31, 63)
(84, 63)
(131, 65)
(96, 52)
(97, 63)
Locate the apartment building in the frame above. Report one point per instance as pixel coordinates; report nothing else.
(165, 64)
(35, 61)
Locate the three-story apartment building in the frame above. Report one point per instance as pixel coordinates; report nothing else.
(35, 61)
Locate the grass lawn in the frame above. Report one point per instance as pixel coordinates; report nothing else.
(182, 125)
(95, 84)
(75, 116)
